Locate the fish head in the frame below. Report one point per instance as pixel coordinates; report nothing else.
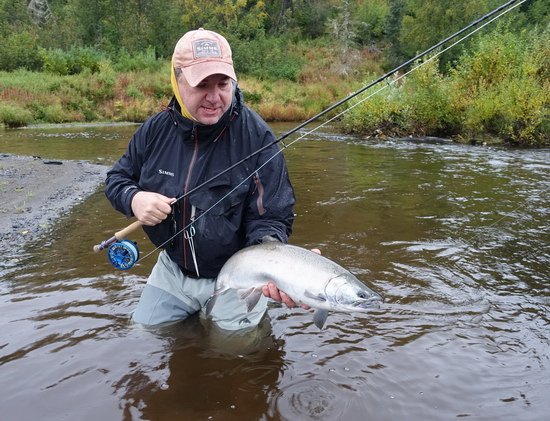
(346, 293)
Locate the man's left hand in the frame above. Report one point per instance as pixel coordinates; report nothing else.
(270, 290)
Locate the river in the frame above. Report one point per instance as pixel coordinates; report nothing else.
(455, 237)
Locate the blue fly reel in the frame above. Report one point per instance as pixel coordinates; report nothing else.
(123, 254)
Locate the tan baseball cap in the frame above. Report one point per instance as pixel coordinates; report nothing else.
(202, 53)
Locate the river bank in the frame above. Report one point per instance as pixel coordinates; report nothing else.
(35, 192)
(488, 95)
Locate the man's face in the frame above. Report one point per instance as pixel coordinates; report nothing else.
(209, 100)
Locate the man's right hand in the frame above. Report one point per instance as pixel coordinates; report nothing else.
(151, 208)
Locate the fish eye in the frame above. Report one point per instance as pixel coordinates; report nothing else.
(362, 294)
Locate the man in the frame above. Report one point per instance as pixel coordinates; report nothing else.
(205, 129)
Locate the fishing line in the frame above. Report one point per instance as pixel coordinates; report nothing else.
(352, 95)
(466, 241)
(431, 58)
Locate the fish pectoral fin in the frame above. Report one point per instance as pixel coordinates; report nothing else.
(318, 297)
(320, 317)
(251, 296)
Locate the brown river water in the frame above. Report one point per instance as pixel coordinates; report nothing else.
(455, 237)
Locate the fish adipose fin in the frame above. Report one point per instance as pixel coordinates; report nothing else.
(251, 296)
(320, 317)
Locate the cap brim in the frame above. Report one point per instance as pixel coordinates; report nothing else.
(196, 73)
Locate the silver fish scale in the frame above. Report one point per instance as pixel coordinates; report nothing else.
(300, 273)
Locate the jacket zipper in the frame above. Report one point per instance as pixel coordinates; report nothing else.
(186, 200)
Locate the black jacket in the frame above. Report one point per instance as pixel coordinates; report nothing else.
(170, 154)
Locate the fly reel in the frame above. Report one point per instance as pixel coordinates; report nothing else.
(123, 254)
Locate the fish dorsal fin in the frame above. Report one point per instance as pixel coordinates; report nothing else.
(320, 317)
(316, 297)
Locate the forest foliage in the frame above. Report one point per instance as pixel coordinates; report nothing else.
(493, 83)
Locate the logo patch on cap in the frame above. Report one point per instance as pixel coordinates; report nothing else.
(206, 48)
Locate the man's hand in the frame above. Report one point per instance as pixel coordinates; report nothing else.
(151, 208)
(270, 290)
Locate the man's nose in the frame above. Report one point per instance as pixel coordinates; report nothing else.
(212, 94)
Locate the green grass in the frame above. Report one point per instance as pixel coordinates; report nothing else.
(501, 88)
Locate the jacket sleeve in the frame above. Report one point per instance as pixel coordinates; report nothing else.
(122, 181)
(269, 210)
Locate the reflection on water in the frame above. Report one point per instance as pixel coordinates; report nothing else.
(455, 237)
(214, 376)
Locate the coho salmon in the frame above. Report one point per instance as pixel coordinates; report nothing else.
(305, 276)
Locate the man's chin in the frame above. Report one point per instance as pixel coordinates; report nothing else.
(209, 119)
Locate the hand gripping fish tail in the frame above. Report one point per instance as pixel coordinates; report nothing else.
(307, 277)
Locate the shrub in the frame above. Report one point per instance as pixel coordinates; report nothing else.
(251, 97)
(266, 58)
(49, 113)
(71, 62)
(516, 112)
(502, 87)
(20, 51)
(102, 86)
(376, 111)
(426, 101)
(133, 92)
(14, 116)
(155, 84)
(126, 62)
(84, 58)
(83, 107)
(136, 110)
(55, 61)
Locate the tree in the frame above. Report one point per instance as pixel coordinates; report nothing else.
(341, 28)
(426, 22)
(235, 19)
(279, 12)
(40, 11)
(13, 17)
(370, 20)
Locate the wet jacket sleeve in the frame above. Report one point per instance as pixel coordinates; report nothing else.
(269, 211)
(122, 181)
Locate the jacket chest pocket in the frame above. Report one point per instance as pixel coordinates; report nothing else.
(219, 211)
(164, 181)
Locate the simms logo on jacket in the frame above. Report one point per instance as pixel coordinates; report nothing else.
(163, 172)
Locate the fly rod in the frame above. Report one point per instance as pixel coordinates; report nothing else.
(123, 253)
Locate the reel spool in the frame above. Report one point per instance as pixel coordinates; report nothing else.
(123, 254)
